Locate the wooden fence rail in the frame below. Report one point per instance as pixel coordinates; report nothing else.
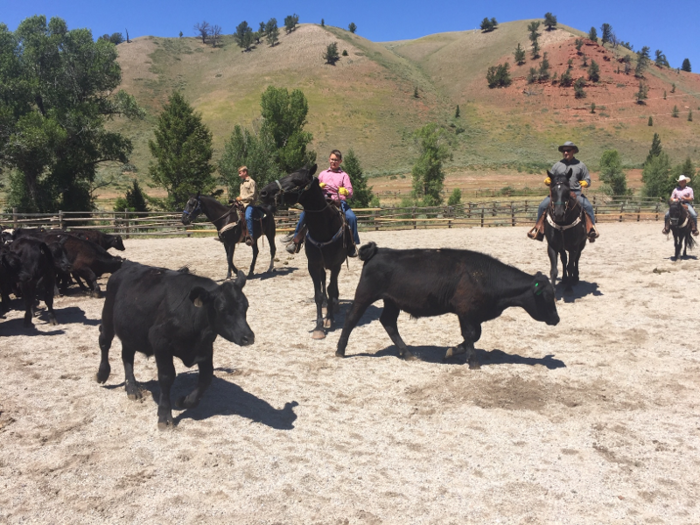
(495, 213)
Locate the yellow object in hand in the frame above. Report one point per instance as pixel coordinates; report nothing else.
(321, 184)
(547, 181)
(583, 183)
(343, 191)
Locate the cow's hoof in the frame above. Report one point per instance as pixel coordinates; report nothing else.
(165, 425)
(102, 374)
(327, 323)
(96, 295)
(133, 392)
(407, 356)
(319, 334)
(250, 274)
(185, 402)
(52, 321)
(474, 364)
(338, 353)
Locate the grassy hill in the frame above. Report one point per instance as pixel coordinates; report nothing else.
(366, 101)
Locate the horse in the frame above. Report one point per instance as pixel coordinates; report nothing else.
(229, 226)
(326, 241)
(680, 223)
(565, 230)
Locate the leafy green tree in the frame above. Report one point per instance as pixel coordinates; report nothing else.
(134, 200)
(686, 66)
(290, 22)
(657, 178)
(331, 55)
(182, 150)
(362, 195)
(594, 72)
(455, 197)
(687, 169)
(656, 148)
(244, 36)
(352, 27)
(58, 89)
(642, 62)
(272, 32)
(550, 21)
(428, 175)
(578, 88)
(498, 76)
(606, 33)
(284, 118)
(593, 35)
(612, 175)
(257, 152)
(519, 55)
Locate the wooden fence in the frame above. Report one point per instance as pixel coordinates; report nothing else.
(482, 214)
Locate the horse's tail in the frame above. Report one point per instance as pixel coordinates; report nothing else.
(368, 251)
(690, 240)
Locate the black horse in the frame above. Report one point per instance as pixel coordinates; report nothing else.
(229, 226)
(326, 239)
(681, 224)
(565, 229)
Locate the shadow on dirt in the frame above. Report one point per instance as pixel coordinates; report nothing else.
(578, 291)
(277, 272)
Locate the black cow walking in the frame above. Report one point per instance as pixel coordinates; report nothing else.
(169, 314)
(426, 283)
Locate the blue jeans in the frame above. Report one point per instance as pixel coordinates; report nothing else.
(581, 199)
(350, 217)
(691, 210)
(251, 212)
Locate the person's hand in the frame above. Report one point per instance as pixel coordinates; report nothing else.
(321, 184)
(343, 191)
(547, 181)
(238, 198)
(583, 183)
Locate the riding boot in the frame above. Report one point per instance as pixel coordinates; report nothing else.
(667, 226)
(694, 227)
(294, 246)
(537, 233)
(590, 228)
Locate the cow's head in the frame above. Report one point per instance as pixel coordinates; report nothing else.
(60, 258)
(226, 310)
(540, 300)
(117, 243)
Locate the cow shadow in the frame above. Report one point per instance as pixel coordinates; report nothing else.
(578, 291)
(436, 354)
(682, 258)
(373, 313)
(276, 272)
(14, 327)
(222, 398)
(74, 315)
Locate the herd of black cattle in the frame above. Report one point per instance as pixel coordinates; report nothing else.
(166, 313)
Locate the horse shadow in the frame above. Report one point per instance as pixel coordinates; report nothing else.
(673, 258)
(222, 398)
(436, 354)
(14, 327)
(276, 272)
(577, 291)
(74, 315)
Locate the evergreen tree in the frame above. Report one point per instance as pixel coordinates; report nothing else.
(519, 55)
(498, 76)
(134, 200)
(657, 178)
(455, 197)
(428, 175)
(686, 66)
(651, 121)
(606, 33)
(578, 88)
(673, 87)
(272, 32)
(543, 73)
(656, 148)
(290, 22)
(257, 152)
(579, 44)
(457, 111)
(612, 176)
(661, 60)
(594, 72)
(244, 36)
(566, 79)
(415, 92)
(642, 62)
(362, 195)
(674, 113)
(550, 21)
(687, 169)
(331, 55)
(352, 27)
(535, 53)
(183, 151)
(690, 115)
(323, 23)
(533, 28)
(641, 95)
(593, 35)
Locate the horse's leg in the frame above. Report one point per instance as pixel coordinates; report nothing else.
(676, 245)
(564, 266)
(553, 264)
(255, 257)
(318, 276)
(230, 251)
(333, 295)
(270, 231)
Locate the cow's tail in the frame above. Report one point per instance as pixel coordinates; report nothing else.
(368, 251)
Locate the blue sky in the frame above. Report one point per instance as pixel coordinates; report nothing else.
(671, 26)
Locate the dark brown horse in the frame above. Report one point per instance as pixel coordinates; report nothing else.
(326, 239)
(229, 226)
(565, 229)
(681, 224)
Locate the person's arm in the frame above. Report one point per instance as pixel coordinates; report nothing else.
(584, 178)
(348, 187)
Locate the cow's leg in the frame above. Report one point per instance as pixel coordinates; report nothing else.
(130, 384)
(389, 316)
(166, 378)
(270, 231)
(471, 332)
(318, 276)
(91, 279)
(78, 281)
(255, 257)
(48, 282)
(206, 373)
(106, 337)
(552, 264)
(28, 292)
(359, 307)
(333, 298)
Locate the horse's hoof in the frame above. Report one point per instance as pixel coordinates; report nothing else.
(327, 323)
(338, 353)
(319, 334)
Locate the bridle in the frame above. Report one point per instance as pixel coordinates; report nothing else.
(196, 211)
(297, 191)
(566, 204)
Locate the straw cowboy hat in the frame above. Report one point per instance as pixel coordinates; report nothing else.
(683, 177)
(569, 144)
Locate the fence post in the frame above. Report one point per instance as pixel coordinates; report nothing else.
(413, 216)
(657, 211)
(60, 219)
(126, 221)
(622, 209)
(639, 212)
(482, 215)
(512, 214)
(375, 221)
(14, 218)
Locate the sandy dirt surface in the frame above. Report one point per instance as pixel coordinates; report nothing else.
(595, 420)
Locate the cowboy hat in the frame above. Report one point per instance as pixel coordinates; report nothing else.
(569, 144)
(683, 177)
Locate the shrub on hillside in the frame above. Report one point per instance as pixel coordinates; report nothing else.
(498, 76)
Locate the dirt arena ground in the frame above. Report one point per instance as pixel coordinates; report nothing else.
(595, 420)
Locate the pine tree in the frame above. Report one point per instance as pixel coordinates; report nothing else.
(651, 121)
(674, 113)
(641, 95)
(534, 36)
(661, 60)
(519, 55)
(550, 21)
(686, 66)
(594, 72)
(578, 88)
(362, 195)
(272, 32)
(134, 200)
(331, 55)
(656, 148)
(611, 174)
(566, 79)
(455, 197)
(352, 27)
(642, 62)
(656, 177)
(183, 151)
(579, 44)
(428, 174)
(243, 36)
(457, 112)
(543, 73)
(593, 35)
(690, 115)
(606, 33)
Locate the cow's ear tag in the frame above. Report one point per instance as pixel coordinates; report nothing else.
(538, 290)
(198, 302)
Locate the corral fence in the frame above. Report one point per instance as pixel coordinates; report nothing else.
(494, 213)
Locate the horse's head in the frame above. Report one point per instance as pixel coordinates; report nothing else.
(560, 194)
(676, 212)
(287, 190)
(192, 209)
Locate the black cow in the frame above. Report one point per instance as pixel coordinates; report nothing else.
(169, 314)
(426, 283)
(105, 240)
(29, 264)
